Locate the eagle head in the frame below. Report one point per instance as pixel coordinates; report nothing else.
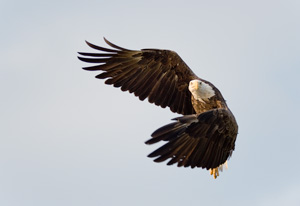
(201, 90)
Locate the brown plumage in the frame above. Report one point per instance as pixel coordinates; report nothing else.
(204, 137)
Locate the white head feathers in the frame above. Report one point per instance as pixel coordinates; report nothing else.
(201, 90)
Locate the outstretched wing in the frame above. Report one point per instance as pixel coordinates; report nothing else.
(205, 140)
(160, 75)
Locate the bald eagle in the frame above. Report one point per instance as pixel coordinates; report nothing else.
(206, 133)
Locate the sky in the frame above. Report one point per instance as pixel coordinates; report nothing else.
(66, 138)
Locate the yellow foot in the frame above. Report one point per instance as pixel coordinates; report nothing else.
(215, 171)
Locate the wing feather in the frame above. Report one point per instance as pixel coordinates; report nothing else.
(101, 48)
(149, 84)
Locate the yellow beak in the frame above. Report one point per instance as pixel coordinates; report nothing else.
(196, 85)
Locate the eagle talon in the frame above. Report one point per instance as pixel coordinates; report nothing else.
(215, 171)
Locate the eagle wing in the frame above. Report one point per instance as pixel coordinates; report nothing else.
(200, 140)
(160, 75)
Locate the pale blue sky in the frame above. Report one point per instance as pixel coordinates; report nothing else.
(68, 139)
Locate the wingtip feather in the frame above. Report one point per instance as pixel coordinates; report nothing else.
(115, 46)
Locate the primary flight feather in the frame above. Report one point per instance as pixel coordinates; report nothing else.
(204, 136)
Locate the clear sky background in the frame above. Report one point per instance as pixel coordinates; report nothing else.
(66, 138)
